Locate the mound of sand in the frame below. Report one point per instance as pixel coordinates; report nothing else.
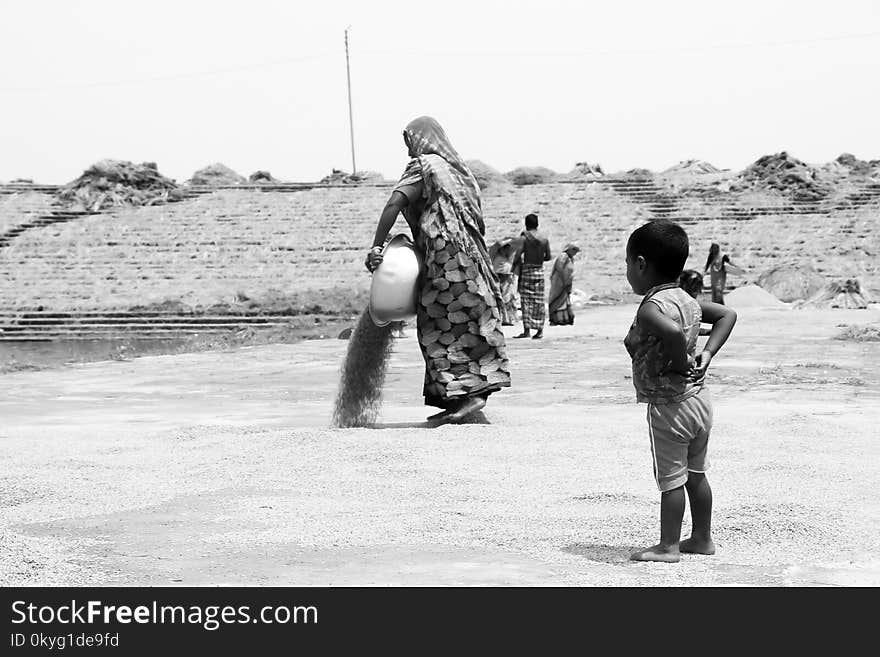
(786, 174)
(531, 176)
(216, 175)
(790, 282)
(697, 167)
(584, 171)
(339, 177)
(118, 182)
(486, 176)
(751, 296)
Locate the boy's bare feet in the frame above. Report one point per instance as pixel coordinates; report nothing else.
(658, 553)
(524, 334)
(538, 335)
(694, 546)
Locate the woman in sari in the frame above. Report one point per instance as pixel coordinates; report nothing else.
(503, 253)
(561, 279)
(459, 316)
(717, 266)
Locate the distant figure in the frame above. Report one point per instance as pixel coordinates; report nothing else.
(717, 266)
(502, 253)
(561, 279)
(535, 251)
(691, 281)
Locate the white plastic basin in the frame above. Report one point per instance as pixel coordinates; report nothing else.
(394, 289)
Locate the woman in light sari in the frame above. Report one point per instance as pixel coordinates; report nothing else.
(503, 254)
(561, 279)
(459, 313)
(717, 266)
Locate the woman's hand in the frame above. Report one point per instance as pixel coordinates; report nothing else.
(374, 258)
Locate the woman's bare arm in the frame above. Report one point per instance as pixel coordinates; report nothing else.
(393, 207)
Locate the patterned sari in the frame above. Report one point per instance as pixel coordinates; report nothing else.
(459, 315)
(502, 254)
(559, 301)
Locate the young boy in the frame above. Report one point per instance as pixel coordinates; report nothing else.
(691, 281)
(668, 375)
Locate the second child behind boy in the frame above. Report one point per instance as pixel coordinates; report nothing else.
(669, 376)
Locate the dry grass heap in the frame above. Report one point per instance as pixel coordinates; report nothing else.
(531, 176)
(216, 175)
(339, 177)
(696, 167)
(262, 177)
(584, 171)
(838, 293)
(858, 167)
(856, 333)
(784, 173)
(118, 182)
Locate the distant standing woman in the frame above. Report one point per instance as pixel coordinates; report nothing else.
(717, 266)
(561, 281)
(459, 311)
(502, 253)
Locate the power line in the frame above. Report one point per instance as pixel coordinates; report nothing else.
(173, 76)
(624, 51)
(469, 54)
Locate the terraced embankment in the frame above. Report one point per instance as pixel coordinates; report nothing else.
(251, 255)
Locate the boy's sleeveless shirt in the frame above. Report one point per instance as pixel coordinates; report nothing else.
(651, 378)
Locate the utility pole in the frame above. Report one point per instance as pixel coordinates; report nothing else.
(350, 118)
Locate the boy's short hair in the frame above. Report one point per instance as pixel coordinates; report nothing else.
(662, 243)
(531, 221)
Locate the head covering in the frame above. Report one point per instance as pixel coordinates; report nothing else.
(426, 138)
(714, 250)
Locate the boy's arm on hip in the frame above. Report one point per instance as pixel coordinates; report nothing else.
(722, 318)
(652, 320)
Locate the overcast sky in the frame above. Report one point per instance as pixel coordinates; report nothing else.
(262, 85)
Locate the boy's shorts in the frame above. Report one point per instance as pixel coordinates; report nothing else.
(679, 438)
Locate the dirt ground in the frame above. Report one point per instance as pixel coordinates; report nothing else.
(218, 468)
